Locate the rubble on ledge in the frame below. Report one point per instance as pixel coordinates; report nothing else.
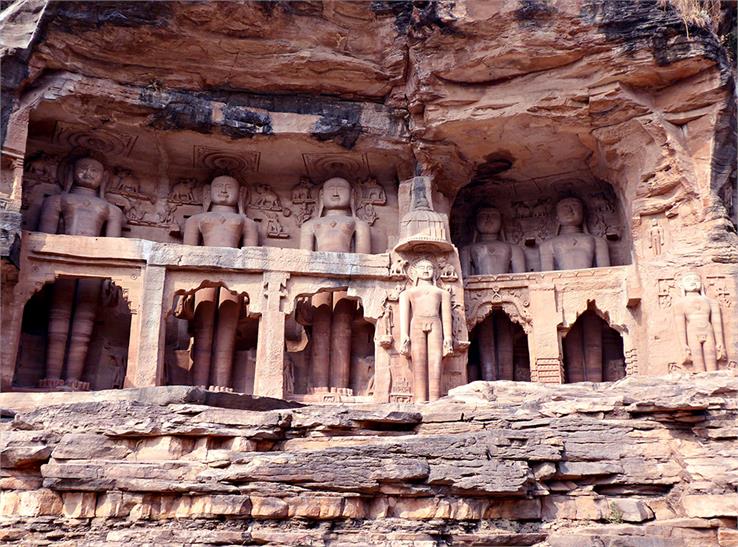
(643, 461)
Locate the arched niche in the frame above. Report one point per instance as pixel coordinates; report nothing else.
(592, 349)
(211, 320)
(73, 319)
(528, 214)
(326, 333)
(499, 349)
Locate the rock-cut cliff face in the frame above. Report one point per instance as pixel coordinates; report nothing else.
(641, 462)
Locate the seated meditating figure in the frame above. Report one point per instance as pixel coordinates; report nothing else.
(488, 254)
(573, 247)
(215, 310)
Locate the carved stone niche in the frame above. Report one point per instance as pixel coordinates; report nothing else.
(592, 350)
(529, 217)
(211, 339)
(74, 337)
(329, 349)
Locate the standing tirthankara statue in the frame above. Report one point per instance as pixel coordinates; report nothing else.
(335, 229)
(488, 255)
(216, 310)
(425, 330)
(699, 325)
(573, 248)
(83, 211)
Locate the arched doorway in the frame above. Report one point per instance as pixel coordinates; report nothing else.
(593, 351)
(499, 350)
(211, 339)
(74, 336)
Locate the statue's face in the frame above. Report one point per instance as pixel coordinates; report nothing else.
(336, 194)
(224, 191)
(88, 173)
(691, 283)
(570, 212)
(489, 221)
(424, 269)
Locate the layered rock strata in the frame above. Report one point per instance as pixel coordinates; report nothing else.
(643, 461)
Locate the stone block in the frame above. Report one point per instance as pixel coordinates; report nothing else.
(79, 504)
(268, 508)
(710, 505)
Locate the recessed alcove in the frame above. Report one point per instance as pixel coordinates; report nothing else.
(592, 350)
(68, 323)
(528, 214)
(200, 323)
(158, 174)
(327, 324)
(498, 350)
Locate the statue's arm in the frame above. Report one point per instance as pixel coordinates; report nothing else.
(50, 212)
(518, 259)
(192, 231)
(602, 253)
(466, 262)
(404, 323)
(547, 256)
(116, 220)
(716, 319)
(250, 233)
(363, 237)
(447, 321)
(307, 233)
(681, 329)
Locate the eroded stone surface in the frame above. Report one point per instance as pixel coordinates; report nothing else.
(619, 462)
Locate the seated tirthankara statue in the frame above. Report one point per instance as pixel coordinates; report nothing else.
(216, 310)
(573, 248)
(425, 330)
(488, 255)
(336, 229)
(83, 210)
(699, 325)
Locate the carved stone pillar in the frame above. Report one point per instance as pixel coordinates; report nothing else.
(146, 344)
(545, 352)
(269, 375)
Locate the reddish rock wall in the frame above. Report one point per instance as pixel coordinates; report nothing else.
(641, 462)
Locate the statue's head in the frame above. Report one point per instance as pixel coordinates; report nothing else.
(570, 212)
(224, 190)
(336, 193)
(489, 220)
(691, 282)
(424, 269)
(88, 173)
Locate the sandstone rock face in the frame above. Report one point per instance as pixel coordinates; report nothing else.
(638, 462)
(241, 242)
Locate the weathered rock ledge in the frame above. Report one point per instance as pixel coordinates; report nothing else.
(644, 461)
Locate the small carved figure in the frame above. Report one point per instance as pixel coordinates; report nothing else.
(699, 325)
(573, 248)
(83, 211)
(426, 330)
(184, 191)
(447, 270)
(656, 237)
(398, 268)
(336, 229)
(487, 254)
(216, 310)
(265, 198)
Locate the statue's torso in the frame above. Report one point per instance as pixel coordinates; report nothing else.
(697, 310)
(573, 251)
(83, 215)
(334, 233)
(425, 301)
(491, 257)
(220, 229)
